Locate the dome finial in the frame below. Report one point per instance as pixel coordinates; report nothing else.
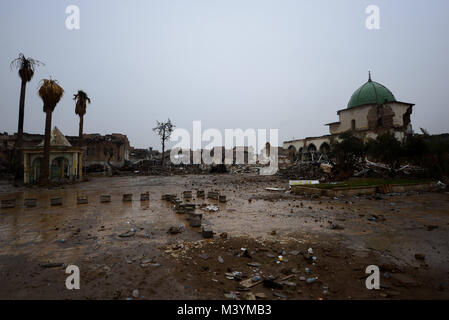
(369, 76)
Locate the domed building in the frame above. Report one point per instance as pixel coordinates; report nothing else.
(372, 110)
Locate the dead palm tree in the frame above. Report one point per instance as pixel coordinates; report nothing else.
(82, 100)
(26, 72)
(51, 93)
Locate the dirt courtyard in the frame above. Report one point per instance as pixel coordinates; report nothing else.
(305, 248)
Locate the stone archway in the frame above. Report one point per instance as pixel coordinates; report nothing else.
(325, 150)
(311, 152)
(292, 153)
(35, 172)
(60, 168)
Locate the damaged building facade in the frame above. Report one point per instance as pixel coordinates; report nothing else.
(372, 111)
(98, 150)
(111, 149)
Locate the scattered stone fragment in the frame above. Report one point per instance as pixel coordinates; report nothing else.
(289, 285)
(337, 227)
(269, 283)
(175, 230)
(204, 256)
(280, 295)
(420, 256)
(260, 295)
(128, 234)
(211, 208)
(52, 265)
(220, 259)
(231, 296)
(254, 264)
(250, 296)
(207, 232)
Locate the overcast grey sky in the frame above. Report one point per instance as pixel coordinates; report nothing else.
(286, 64)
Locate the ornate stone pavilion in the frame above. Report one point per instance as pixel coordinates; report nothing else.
(372, 110)
(64, 160)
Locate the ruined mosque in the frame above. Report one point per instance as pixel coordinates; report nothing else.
(372, 110)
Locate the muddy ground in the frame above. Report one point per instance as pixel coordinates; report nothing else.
(346, 235)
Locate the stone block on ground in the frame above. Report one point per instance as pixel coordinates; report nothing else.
(207, 232)
(56, 201)
(82, 200)
(128, 197)
(9, 203)
(145, 196)
(30, 203)
(105, 198)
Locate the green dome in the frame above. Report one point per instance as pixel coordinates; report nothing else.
(371, 93)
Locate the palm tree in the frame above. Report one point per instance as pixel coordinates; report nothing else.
(26, 72)
(82, 100)
(51, 93)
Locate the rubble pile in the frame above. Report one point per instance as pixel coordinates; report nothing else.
(243, 168)
(308, 171)
(370, 169)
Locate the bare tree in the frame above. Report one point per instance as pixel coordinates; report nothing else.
(164, 131)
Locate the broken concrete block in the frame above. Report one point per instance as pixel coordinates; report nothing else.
(128, 197)
(289, 285)
(10, 203)
(177, 201)
(30, 203)
(200, 194)
(82, 200)
(179, 209)
(212, 195)
(105, 198)
(207, 232)
(56, 201)
(420, 256)
(175, 230)
(195, 219)
(145, 196)
(168, 197)
(187, 194)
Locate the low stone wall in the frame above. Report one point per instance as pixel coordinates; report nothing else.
(352, 191)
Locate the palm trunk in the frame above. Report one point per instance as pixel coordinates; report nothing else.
(80, 134)
(19, 141)
(46, 163)
(80, 142)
